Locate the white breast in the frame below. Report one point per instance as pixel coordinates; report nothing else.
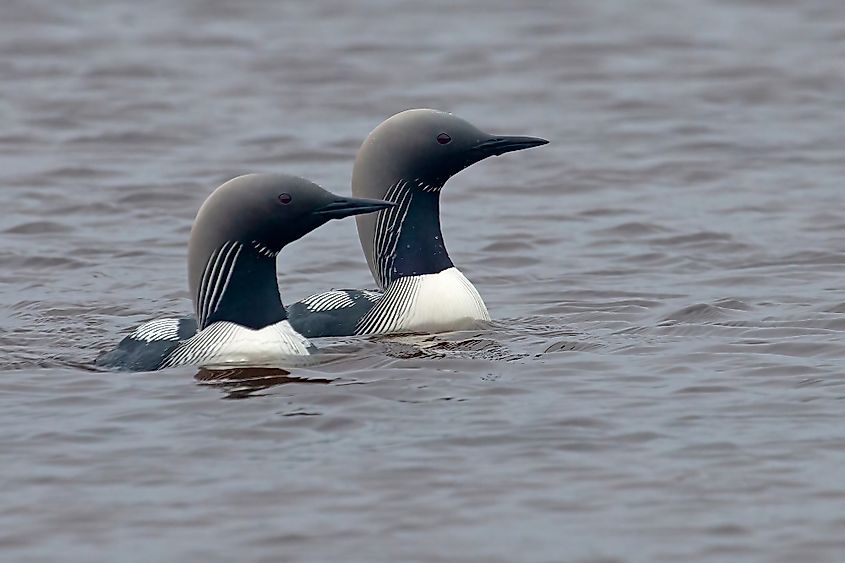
(427, 303)
(229, 343)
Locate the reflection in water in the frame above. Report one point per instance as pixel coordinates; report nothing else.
(243, 382)
(459, 344)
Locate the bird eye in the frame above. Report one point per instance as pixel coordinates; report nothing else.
(443, 138)
(285, 199)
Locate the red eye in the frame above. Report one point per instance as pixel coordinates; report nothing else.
(443, 138)
(285, 199)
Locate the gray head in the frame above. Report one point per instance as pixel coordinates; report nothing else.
(237, 234)
(411, 156)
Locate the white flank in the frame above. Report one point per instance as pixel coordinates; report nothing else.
(427, 303)
(328, 301)
(224, 343)
(158, 329)
(371, 296)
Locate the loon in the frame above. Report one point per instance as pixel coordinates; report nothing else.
(239, 315)
(407, 160)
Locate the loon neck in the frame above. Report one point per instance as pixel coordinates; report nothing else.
(239, 285)
(407, 240)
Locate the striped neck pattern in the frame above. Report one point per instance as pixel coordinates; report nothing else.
(239, 285)
(407, 239)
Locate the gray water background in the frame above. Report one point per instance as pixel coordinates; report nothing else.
(664, 379)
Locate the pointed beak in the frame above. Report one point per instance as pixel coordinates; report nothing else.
(347, 206)
(495, 146)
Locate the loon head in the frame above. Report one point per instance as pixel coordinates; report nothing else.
(427, 146)
(239, 231)
(410, 156)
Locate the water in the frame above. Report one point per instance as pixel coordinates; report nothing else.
(664, 380)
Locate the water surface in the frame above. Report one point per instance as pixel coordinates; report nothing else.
(664, 379)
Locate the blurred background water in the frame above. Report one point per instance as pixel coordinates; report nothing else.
(664, 379)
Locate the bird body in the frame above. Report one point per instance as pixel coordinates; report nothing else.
(239, 230)
(407, 160)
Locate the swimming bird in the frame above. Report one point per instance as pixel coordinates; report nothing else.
(407, 160)
(239, 316)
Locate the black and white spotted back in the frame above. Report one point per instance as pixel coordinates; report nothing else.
(331, 313)
(148, 346)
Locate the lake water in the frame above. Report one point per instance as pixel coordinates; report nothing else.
(665, 376)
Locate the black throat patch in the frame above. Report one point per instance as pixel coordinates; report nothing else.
(408, 240)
